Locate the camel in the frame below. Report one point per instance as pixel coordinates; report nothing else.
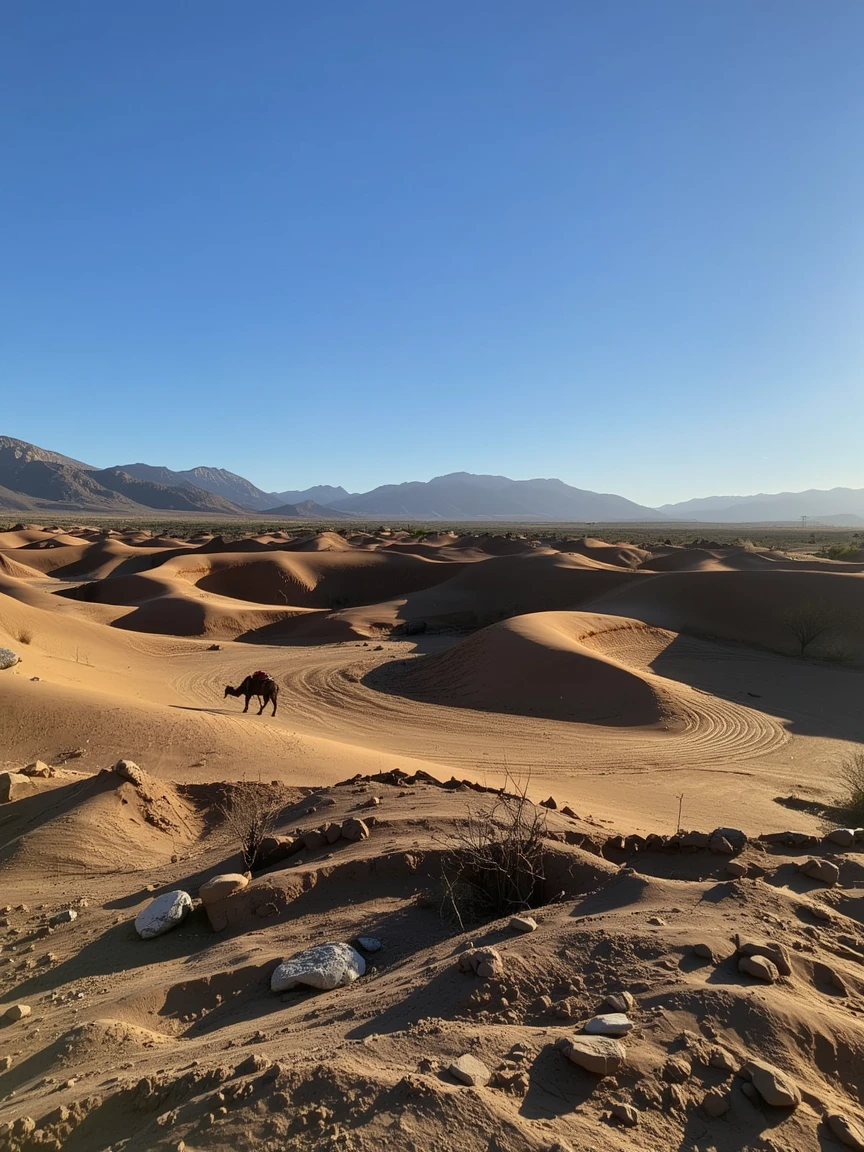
(260, 685)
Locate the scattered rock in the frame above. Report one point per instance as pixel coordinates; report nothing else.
(822, 870)
(129, 770)
(847, 1130)
(8, 658)
(17, 1012)
(39, 768)
(323, 966)
(626, 1114)
(778, 954)
(621, 1001)
(677, 1069)
(598, 1054)
(5, 1063)
(372, 802)
(355, 830)
(332, 833)
(705, 952)
(733, 836)
(760, 967)
(64, 917)
(721, 845)
(484, 962)
(715, 1103)
(523, 923)
(313, 839)
(550, 803)
(219, 887)
(469, 1070)
(369, 943)
(609, 1024)
(14, 785)
(720, 1058)
(163, 914)
(736, 869)
(774, 1086)
(657, 920)
(843, 837)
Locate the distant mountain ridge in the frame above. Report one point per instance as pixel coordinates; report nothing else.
(37, 479)
(838, 505)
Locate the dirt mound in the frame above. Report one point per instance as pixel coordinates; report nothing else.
(541, 665)
(98, 823)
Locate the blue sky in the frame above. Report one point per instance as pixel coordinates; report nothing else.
(616, 242)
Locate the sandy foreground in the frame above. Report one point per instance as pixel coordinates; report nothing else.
(417, 677)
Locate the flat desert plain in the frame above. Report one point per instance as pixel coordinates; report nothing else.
(624, 744)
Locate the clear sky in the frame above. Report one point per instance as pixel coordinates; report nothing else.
(618, 242)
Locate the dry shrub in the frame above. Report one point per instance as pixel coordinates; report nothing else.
(852, 772)
(495, 866)
(807, 621)
(250, 814)
(25, 636)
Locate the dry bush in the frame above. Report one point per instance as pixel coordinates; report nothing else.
(25, 636)
(495, 865)
(852, 773)
(808, 621)
(250, 815)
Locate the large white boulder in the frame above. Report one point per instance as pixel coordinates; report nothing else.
(8, 658)
(324, 966)
(163, 914)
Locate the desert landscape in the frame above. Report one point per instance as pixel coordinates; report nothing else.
(564, 821)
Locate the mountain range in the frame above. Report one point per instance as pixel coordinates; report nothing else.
(34, 479)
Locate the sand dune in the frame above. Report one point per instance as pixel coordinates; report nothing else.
(544, 664)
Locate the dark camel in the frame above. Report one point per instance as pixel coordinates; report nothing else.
(266, 689)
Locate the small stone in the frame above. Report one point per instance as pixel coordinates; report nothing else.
(843, 837)
(469, 1070)
(5, 1063)
(820, 912)
(705, 952)
(550, 803)
(760, 967)
(822, 870)
(677, 1069)
(369, 943)
(736, 869)
(778, 954)
(626, 1114)
(486, 963)
(847, 1130)
(621, 1001)
(721, 846)
(523, 924)
(372, 802)
(598, 1054)
(163, 914)
(658, 921)
(609, 1024)
(733, 836)
(720, 1058)
(64, 917)
(715, 1103)
(355, 830)
(17, 1012)
(323, 966)
(332, 833)
(313, 839)
(774, 1086)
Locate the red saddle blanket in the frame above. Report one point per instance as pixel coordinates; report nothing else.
(261, 676)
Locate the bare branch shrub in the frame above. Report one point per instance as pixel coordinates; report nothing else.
(250, 815)
(807, 621)
(852, 772)
(495, 866)
(25, 636)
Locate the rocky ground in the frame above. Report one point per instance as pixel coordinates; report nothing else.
(697, 991)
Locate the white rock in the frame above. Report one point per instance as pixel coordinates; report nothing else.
(64, 917)
(7, 658)
(369, 943)
(609, 1024)
(324, 966)
(843, 837)
(523, 923)
(163, 914)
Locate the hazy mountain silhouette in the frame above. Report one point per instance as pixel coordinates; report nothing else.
(834, 505)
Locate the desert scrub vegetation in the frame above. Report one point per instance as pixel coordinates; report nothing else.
(841, 552)
(495, 862)
(852, 774)
(807, 621)
(250, 814)
(24, 636)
